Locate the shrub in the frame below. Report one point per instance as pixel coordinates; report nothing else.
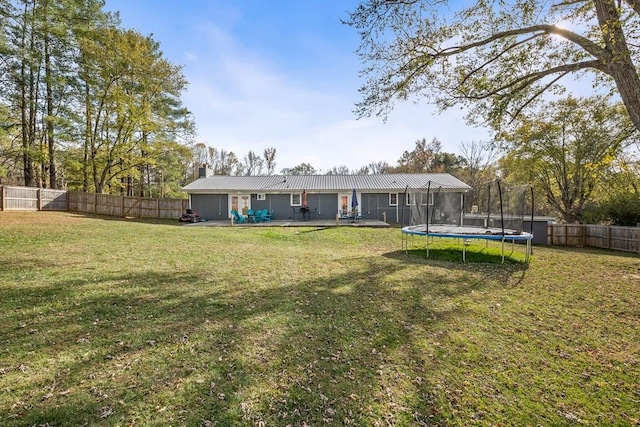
(624, 209)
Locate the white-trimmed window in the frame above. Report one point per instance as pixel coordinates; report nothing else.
(261, 196)
(393, 199)
(430, 199)
(421, 199)
(296, 199)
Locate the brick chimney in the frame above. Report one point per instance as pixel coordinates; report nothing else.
(204, 171)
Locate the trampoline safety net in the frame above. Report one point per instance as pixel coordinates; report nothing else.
(500, 209)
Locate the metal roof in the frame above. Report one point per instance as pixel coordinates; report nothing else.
(324, 183)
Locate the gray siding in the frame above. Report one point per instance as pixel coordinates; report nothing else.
(376, 206)
(325, 205)
(539, 230)
(447, 208)
(278, 205)
(372, 206)
(211, 206)
(539, 225)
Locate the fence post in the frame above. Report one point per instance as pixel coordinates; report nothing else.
(608, 237)
(39, 196)
(3, 196)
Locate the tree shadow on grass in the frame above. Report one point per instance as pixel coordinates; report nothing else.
(589, 250)
(313, 230)
(151, 221)
(356, 347)
(452, 259)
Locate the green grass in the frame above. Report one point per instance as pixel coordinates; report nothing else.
(107, 322)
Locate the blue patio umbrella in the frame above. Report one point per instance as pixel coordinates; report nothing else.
(354, 200)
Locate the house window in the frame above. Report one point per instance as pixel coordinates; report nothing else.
(430, 199)
(296, 199)
(393, 199)
(262, 196)
(421, 199)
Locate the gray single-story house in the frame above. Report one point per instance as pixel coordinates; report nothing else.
(379, 197)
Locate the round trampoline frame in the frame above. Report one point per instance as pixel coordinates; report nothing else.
(467, 232)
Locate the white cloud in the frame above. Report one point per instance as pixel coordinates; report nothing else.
(244, 101)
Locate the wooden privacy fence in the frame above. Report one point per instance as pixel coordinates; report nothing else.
(612, 237)
(32, 199)
(26, 198)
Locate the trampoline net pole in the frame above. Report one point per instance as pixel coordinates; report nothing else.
(501, 210)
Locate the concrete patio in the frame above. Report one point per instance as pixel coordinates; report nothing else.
(290, 223)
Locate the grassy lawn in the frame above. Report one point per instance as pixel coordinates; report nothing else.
(109, 322)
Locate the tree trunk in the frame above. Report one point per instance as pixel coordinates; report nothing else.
(27, 155)
(621, 66)
(87, 138)
(27, 160)
(49, 120)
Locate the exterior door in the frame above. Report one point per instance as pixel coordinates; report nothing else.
(344, 206)
(240, 203)
(344, 203)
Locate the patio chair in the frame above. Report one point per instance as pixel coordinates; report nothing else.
(265, 216)
(237, 218)
(257, 216)
(344, 216)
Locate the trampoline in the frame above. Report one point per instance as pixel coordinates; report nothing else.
(435, 214)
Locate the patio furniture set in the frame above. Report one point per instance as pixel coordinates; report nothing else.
(261, 215)
(303, 212)
(352, 216)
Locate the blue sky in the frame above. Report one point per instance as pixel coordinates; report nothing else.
(283, 74)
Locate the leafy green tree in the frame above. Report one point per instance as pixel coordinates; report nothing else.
(447, 163)
(567, 149)
(421, 158)
(22, 60)
(618, 200)
(92, 106)
(132, 107)
(479, 169)
(170, 171)
(497, 56)
(624, 209)
(38, 67)
(428, 157)
(10, 152)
